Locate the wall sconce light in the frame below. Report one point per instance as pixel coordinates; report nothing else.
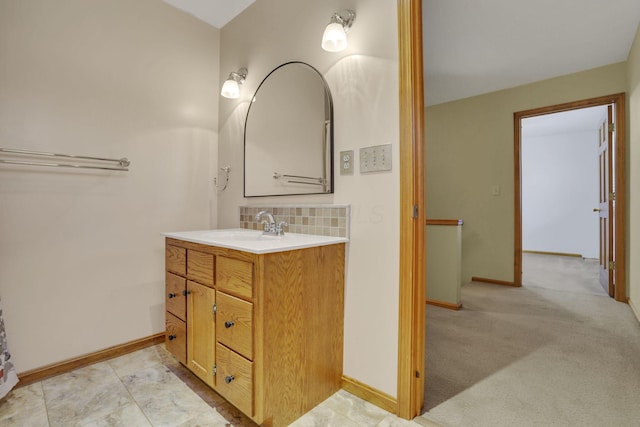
(231, 86)
(334, 38)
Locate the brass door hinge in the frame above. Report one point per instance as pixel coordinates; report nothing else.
(612, 127)
(612, 195)
(612, 265)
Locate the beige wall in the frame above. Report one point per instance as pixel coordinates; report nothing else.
(634, 174)
(469, 150)
(364, 84)
(81, 257)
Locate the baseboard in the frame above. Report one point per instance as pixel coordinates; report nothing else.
(634, 309)
(552, 253)
(443, 304)
(370, 394)
(69, 365)
(495, 282)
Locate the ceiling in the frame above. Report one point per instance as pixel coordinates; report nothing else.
(213, 12)
(473, 47)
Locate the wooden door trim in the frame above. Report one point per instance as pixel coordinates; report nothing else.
(618, 100)
(411, 323)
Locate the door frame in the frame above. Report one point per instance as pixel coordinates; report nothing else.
(619, 177)
(412, 292)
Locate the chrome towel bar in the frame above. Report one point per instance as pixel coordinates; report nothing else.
(122, 163)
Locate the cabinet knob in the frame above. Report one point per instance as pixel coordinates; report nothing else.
(172, 337)
(172, 295)
(229, 379)
(229, 324)
(185, 293)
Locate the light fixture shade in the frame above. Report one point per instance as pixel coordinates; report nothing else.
(230, 89)
(334, 38)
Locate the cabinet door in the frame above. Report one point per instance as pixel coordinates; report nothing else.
(200, 331)
(175, 301)
(200, 267)
(235, 324)
(176, 337)
(176, 259)
(236, 379)
(234, 277)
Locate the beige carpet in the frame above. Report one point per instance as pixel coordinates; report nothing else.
(552, 353)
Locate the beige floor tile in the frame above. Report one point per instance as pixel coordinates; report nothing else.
(148, 388)
(84, 395)
(322, 416)
(356, 409)
(125, 416)
(24, 406)
(163, 398)
(133, 362)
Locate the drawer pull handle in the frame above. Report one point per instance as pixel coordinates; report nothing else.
(172, 337)
(229, 324)
(229, 379)
(172, 295)
(185, 293)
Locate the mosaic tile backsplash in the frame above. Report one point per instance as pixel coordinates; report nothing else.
(321, 220)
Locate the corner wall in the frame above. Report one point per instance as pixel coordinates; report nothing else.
(81, 256)
(364, 84)
(469, 150)
(633, 156)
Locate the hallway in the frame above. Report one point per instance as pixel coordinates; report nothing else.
(557, 351)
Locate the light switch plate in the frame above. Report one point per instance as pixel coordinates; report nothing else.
(375, 159)
(346, 162)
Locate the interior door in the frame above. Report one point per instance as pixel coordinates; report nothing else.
(606, 206)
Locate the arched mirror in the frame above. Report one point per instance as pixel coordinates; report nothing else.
(288, 134)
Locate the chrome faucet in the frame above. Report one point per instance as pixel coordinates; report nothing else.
(269, 223)
(270, 226)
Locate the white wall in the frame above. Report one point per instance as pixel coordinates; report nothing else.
(364, 84)
(81, 257)
(559, 191)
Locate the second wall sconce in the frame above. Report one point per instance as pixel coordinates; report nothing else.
(231, 86)
(334, 38)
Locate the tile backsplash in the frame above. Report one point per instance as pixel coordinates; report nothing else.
(322, 220)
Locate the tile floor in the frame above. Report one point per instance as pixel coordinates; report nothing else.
(149, 388)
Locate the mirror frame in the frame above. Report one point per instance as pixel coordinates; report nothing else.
(328, 163)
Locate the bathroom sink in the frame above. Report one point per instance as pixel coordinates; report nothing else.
(254, 241)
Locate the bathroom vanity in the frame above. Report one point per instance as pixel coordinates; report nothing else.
(258, 318)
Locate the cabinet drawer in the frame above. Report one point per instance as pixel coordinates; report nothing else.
(176, 337)
(234, 276)
(175, 301)
(200, 267)
(234, 378)
(234, 324)
(175, 259)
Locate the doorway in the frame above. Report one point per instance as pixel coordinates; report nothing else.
(611, 207)
(560, 200)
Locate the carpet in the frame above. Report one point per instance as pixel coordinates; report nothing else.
(540, 355)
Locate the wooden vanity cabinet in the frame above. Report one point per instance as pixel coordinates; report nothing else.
(263, 330)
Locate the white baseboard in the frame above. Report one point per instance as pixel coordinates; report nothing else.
(635, 310)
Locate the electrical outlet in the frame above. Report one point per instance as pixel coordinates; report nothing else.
(346, 162)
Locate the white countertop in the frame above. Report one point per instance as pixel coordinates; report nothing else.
(254, 241)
